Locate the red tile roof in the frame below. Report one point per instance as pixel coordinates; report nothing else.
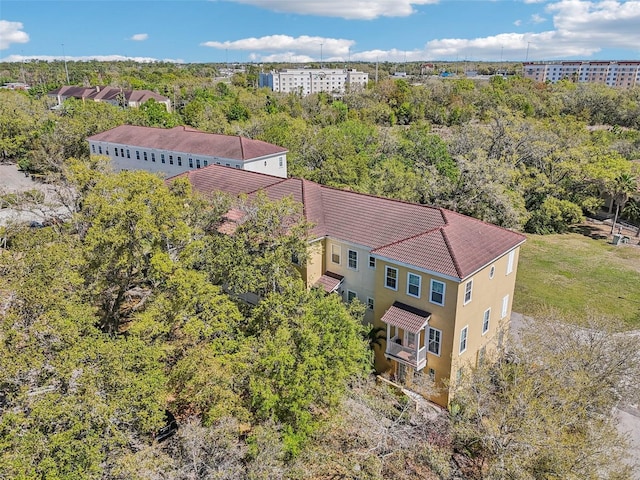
(426, 237)
(189, 140)
(329, 282)
(405, 317)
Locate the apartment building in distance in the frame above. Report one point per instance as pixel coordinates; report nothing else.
(439, 283)
(306, 81)
(112, 95)
(179, 149)
(623, 74)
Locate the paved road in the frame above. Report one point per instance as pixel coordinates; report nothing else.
(13, 180)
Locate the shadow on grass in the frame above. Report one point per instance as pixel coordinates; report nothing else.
(589, 231)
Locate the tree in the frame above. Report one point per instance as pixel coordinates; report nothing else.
(307, 346)
(624, 186)
(131, 217)
(255, 253)
(631, 211)
(545, 409)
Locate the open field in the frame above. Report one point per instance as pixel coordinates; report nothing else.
(577, 276)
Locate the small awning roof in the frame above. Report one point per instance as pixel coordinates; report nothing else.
(407, 318)
(329, 282)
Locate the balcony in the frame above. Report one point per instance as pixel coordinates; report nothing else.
(411, 355)
(406, 335)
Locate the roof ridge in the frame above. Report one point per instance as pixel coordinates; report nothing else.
(380, 197)
(281, 180)
(477, 220)
(451, 254)
(408, 238)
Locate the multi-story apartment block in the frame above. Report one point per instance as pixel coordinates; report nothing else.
(179, 149)
(306, 81)
(624, 74)
(112, 95)
(439, 283)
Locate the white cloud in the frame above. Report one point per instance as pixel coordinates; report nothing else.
(139, 37)
(309, 46)
(349, 9)
(87, 58)
(535, 18)
(607, 23)
(11, 32)
(517, 23)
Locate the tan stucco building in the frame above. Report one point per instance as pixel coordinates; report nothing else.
(439, 283)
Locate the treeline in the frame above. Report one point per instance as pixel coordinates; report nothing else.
(522, 155)
(117, 314)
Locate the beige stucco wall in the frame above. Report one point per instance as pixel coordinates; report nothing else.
(452, 316)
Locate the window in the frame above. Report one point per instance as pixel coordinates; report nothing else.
(505, 306)
(179, 161)
(206, 162)
(510, 262)
(437, 292)
(121, 152)
(467, 291)
(372, 262)
(100, 150)
(492, 271)
(413, 285)
(485, 320)
(435, 337)
(353, 259)
(137, 155)
(280, 162)
(351, 295)
(162, 157)
(227, 164)
(106, 151)
(432, 375)
(370, 303)
(237, 166)
(170, 159)
(391, 278)
(128, 153)
(335, 254)
(463, 339)
(153, 157)
(93, 148)
(116, 152)
(145, 156)
(191, 163)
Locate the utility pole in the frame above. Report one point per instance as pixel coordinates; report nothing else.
(65, 64)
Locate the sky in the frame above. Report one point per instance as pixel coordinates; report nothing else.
(299, 31)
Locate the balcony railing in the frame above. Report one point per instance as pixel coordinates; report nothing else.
(410, 354)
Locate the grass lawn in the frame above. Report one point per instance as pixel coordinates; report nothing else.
(577, 276)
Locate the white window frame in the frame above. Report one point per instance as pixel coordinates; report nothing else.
(464, 339)
(505, 306)
(438, 342)
(372, 262)
(409, 285)
(370, 303)
(468, 291)
(431, 291)
(333, 254)
(486, 319)
(387, 269)
(351, 295)
(349, 252)
(510, 260)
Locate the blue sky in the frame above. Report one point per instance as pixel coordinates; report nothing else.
(306, 30)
